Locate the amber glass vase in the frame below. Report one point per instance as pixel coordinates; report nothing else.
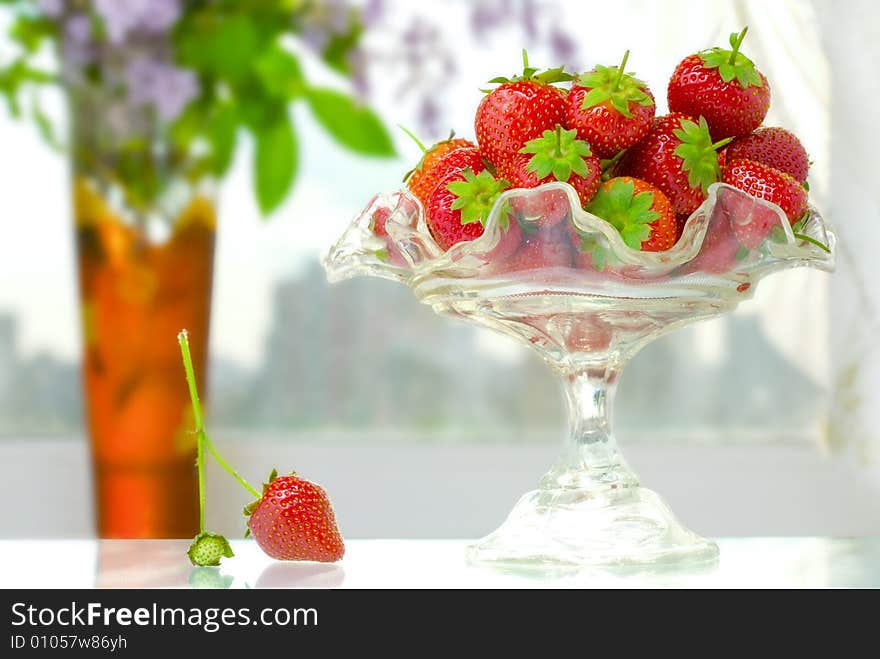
(145, 245)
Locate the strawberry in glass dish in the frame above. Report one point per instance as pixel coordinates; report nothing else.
(520, 109)
(724, 86)
(431, 169)
(678, 157)
(753, 223)
(775, 147)
(610, 109)
(459, 206)
(555, 156)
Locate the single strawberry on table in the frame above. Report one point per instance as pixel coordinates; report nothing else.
(775, 147)
(555, 156)
(292, 518)
(294, 521)
(724, 86)
(610, 109)
(520, 109)
(678, 157)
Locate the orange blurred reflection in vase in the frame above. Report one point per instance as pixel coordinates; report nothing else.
(137, 294)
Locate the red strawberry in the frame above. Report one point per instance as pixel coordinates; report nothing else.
(452, 162)
(293, 521)
(639, 211)
(724, 87)
(508, 243)
(752, 223)
(460, 205)
(719, 248)
(542, 249)
(775, 147)
(518, 110)
(610, 109)
(677, 156)
(556, 156)
(377, 221)
(425, 176)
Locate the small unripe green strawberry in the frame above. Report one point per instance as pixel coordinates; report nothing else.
(208, 548)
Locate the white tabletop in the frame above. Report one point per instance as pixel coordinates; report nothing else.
(744, 563)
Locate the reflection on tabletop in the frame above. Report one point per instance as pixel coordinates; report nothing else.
(744, 563)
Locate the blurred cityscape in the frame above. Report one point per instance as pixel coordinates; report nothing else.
(364, 358)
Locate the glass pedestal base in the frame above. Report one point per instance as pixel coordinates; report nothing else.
(625, 526)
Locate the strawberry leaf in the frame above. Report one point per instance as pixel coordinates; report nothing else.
(732, 63)
(698, 154)
(476, 195)
(611, 83)
(631, 214)
(558, 152)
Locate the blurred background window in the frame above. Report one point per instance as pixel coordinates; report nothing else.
(293, 357)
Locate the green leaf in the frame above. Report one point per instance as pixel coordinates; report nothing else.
(29, 31)
(47, 131)
(280, 73)
(222, 133)
(275, 164)
(220, 45)
(351, 124)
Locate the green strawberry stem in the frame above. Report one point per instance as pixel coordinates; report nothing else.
(558, 141)
(415, 139)
(817, 243)
(735, 43)
(721, 143)
(197, 417)
(203, 441)
(620, 72)
(525, 56)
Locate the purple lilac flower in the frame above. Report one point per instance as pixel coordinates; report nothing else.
(323, 22)
(358, 62)
(373, 12)
(124, 16)
(51, 8)
(562, 46)
(529, 19)
(77, 46)
(486, 16)
(168, 88)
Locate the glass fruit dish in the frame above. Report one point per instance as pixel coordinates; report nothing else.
(586, 314)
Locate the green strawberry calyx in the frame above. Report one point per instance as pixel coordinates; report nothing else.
(548, 77)
(612, 84)
(698, 153)
(476, 195)
(252, 506)
(597, 248)
(558, 152)
(631, 214)
(208, 548)
(732, 63)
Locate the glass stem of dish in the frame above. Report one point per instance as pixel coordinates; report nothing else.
(591, 460)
